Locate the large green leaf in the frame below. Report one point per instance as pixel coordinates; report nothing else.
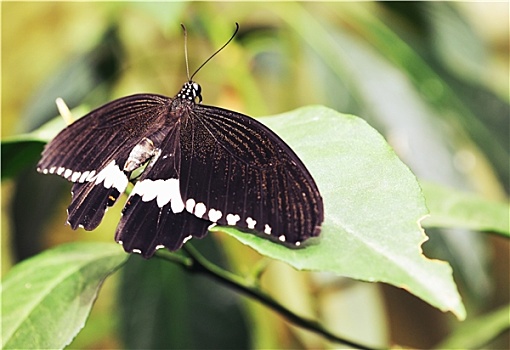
(452, 208)
(162, 306)
(47, 299)
(373, 206)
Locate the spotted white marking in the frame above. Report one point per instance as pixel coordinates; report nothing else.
(187, 239)
(121, 242)
(83, 176)
(81, 226)
(68, 173)
(91, 177)
(251, 223)
(190, 205)
(298, 243)
(282, 238)
(52, 169)
(137, 251)
(44, 171)
(60, 170)
(164, 191)
(267, 229)
(200, 210)
(214, 215)
(76, 175)
(160, 246)
(232, 219)
(147, 189)
(211, 226)
(112, 176)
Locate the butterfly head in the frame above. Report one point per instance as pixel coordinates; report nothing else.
(191, 91)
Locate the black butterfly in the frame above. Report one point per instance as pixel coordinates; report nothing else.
(204, 166)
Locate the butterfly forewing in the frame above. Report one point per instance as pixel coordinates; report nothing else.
(92, 152)
(91, 142)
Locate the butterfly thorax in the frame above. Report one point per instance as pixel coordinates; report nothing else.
(190, 91)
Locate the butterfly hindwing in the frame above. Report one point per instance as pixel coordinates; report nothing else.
(154, 215)
(235, 171)
(89, 204)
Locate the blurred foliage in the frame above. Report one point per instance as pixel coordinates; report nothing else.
(432, 77)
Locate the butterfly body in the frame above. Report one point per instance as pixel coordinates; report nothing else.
(204, 165)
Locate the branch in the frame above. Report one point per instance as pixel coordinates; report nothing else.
(197, 263)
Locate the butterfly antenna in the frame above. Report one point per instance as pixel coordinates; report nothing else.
(214, 54)
(186, 50)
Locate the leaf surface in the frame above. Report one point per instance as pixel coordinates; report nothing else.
(452, 208)
(373, 205)
(46, 299)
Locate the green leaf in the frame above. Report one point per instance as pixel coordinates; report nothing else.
(452, 208)
(22, 150)
(163, 306)
(476, 333)
(46, 299)
(373, 205)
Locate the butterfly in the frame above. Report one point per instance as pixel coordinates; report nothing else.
(201, 166)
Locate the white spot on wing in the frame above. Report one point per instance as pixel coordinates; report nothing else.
(298, 243)
(251, 223)
(60, 170)
(160, 246)
(200, 210)
(190, 205)
(112, 176)
(187, 239)
(282, 238)
(68, 173)
(232, 219)
(149, 189)
(174, 193)
(164, 191)
(76, 175)
(267, 229)
(91, 176)
(137, 251)
(214, 215)
(52, 169)
(83, 176)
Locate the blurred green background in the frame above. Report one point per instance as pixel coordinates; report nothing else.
(433, 78)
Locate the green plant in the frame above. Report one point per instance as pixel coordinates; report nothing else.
(374, 204)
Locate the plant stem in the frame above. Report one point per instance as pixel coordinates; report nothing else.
(197, 263)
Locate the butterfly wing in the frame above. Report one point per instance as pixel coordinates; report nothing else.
(154, 215)
(92, 152)
(235, 171)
